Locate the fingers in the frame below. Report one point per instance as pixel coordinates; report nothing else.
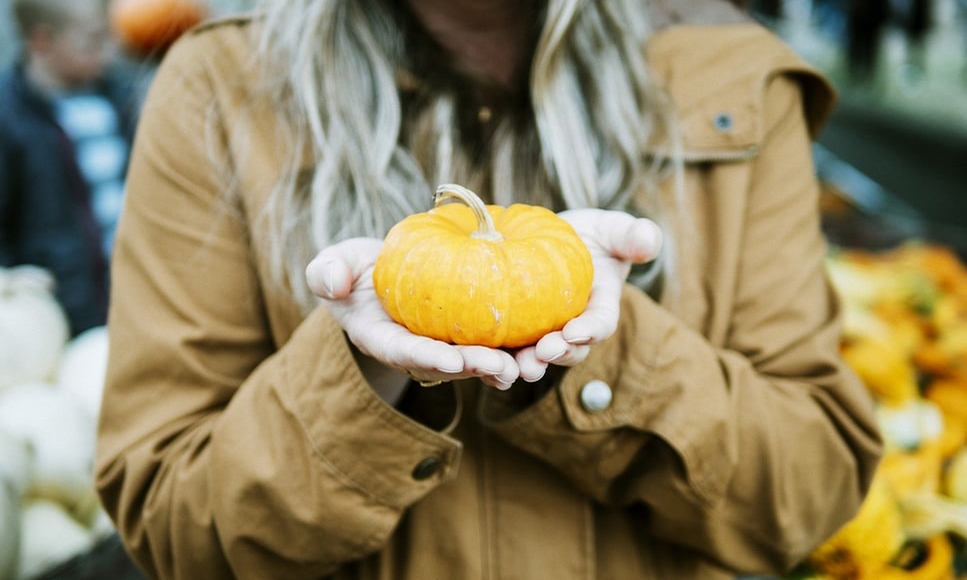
(554, 349)
(600, 317)
(484, 361)
(336, 269)
(532, 369)
(495, 367)
(617, 234)
(426, 359)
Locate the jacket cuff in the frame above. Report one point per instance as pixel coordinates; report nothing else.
(596, 446)
(376, 448)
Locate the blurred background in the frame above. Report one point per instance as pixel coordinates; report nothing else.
(900, 67)
(8, 41)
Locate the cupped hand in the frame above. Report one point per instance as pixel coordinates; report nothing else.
(342, 275)
(616, 240)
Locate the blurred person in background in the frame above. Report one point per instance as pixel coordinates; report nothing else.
(65, 128)
(961, 14)
(866, 22)
(915, 20)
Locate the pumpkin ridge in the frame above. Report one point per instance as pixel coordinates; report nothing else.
(409, 280)
(479, 290)
(517, 221)
(530, 321)
(447, 220)
(564, 259)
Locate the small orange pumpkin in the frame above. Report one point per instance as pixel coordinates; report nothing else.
(472, 274)
(149, 27)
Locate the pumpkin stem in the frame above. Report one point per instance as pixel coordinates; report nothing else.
(485, 223)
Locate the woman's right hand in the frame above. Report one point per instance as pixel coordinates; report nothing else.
(616, 240)
(342, 275)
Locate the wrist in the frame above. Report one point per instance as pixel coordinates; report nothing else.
(388, 383)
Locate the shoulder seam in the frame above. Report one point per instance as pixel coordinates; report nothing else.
(241, 19)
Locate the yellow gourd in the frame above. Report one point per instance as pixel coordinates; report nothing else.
(938, 564)
(950, 396)
(33, 326)
(866, 543)
(884, 368)
(955, 477)
(467, 273)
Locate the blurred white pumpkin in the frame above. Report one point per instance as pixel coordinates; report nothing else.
(83, 367)
(15, 472)
(61, 436)
(33, 326)
(49, 536)
(9, 529)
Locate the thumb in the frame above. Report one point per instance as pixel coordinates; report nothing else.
(640, 241)
(335, 270)
(329, 277)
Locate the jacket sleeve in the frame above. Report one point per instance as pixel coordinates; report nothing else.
(751, 451)
(221, 455)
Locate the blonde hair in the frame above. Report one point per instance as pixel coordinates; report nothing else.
(595, 114)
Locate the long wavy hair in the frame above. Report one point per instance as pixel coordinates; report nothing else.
(343, 70)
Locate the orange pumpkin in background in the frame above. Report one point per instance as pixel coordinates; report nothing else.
(149, 27)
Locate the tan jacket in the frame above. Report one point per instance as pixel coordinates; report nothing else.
(238, 439)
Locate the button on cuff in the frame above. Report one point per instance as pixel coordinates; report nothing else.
(427, 468)
(596, 396)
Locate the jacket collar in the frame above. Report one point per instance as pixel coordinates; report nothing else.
(716, 77)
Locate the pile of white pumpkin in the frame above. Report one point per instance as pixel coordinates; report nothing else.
(50, 392)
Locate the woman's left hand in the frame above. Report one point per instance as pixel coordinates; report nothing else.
(616, 240)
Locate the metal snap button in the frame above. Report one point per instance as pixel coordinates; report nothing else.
(596, 396)
(723, 122)
(427, 468)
